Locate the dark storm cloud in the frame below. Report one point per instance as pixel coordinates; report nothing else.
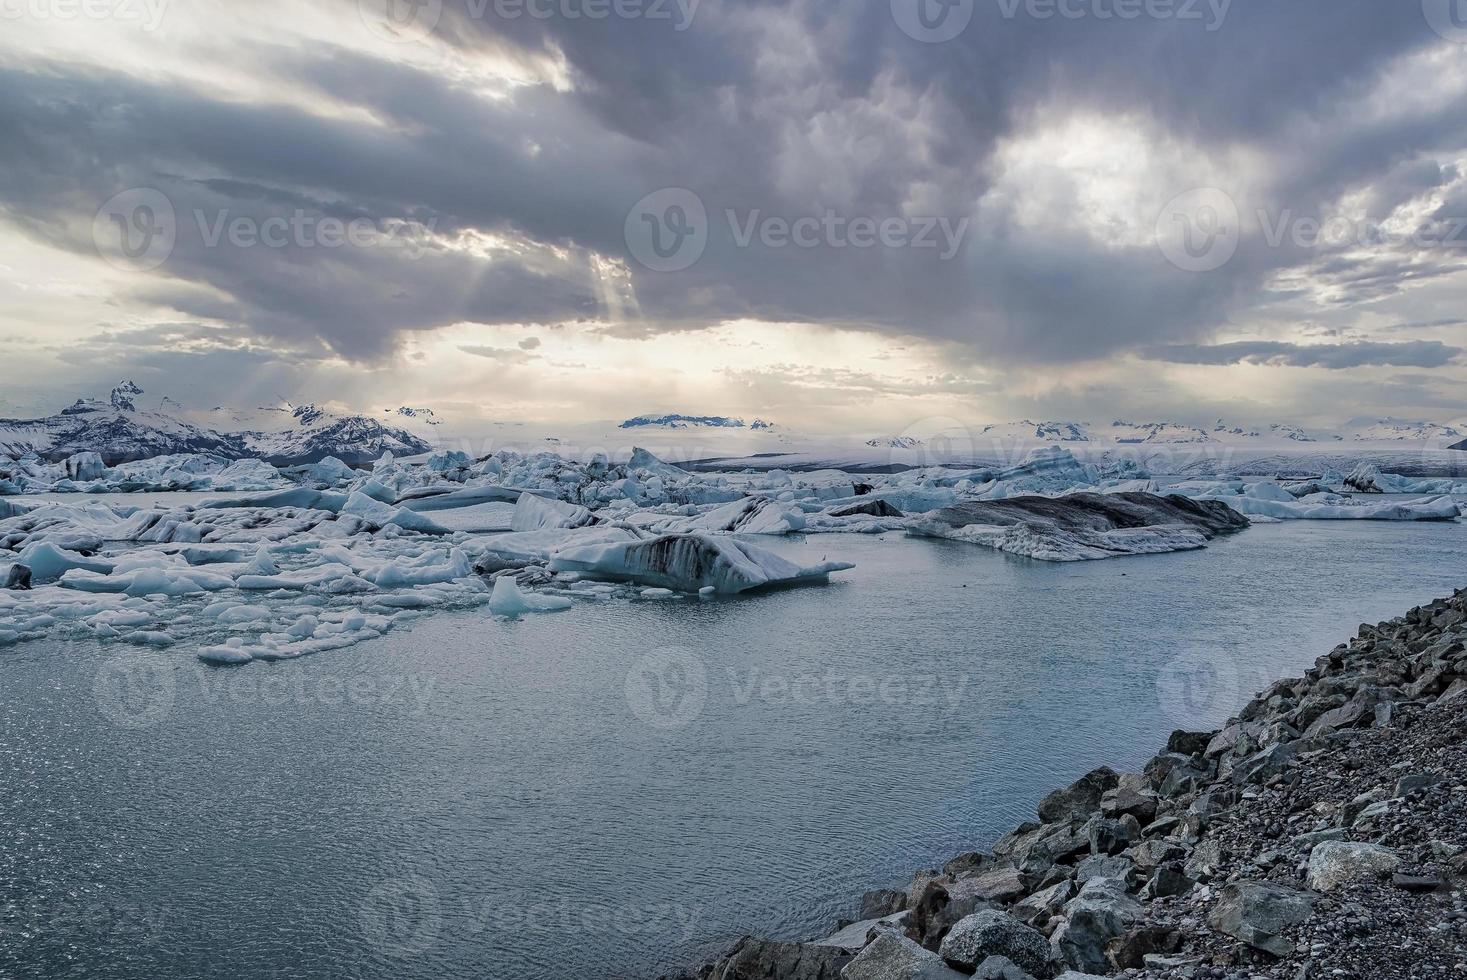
(784, 108)
(1418, 354)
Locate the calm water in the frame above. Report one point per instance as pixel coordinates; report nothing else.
(626, 788)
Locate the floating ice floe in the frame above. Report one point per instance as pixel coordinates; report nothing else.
(1084, 527)
(690, 563)
(752, 515)
(534, 513)
(1367, 478)
(509, 600)
(1267, 499)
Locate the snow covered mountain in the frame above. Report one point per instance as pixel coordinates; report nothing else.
(120, 433)
(411, 416)
(1123, 432)
(1401, 430)
(1130, 433)
(1120, 432)
(317, 434)
(1027, 431)
(694, 422)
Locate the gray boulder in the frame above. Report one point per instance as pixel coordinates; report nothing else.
(994, 885)
(1257, 913)
(988, 932)
(1000, 968)
(1101, 866)
(855, 937)
(882, 902)
(764, 959)
(1169, 880)
(1080, 799)
(893, 957)
(1265, 765)
(1132, 797)
(1040, 906)
(1112, 836)
(1101, 912)
(1334, 864)
(1183, 779)
(1189, 743)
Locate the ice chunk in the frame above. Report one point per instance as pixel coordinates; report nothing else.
(689, 563)
(509, 600)
(752, 515)
(376, 512)
(1084, 526)
(330, 471)
(428, 499)
(320, 576)
(1367, 478)
(393, 575)
(300, 498)
(232, 652)
(1268, 490)
(47, 562)
(85, 466)
(534, 513)
(1332, 507)
(644, 461)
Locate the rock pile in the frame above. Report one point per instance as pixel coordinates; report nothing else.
(1322, 833)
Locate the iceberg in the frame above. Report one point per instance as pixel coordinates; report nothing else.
(49, 562)
(299, 498)
(690, 563)
(1367, 478)
(752, 515)
(534, 513)
(1333, 507)
(509, 600)
(376, 512)
(1269, 500)
(432, 498)
(645, 462)
(1084, 526)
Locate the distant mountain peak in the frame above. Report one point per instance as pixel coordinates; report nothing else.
(123, 394)
(308, 414)
(690, 422)
(119, 433)
(424, 415)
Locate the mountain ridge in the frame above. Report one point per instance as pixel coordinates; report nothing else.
(120, 433)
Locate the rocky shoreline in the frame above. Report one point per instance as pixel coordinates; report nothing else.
(1322, 833)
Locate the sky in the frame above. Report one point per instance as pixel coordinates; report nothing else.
(843, 217)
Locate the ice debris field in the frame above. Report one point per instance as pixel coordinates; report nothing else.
(284, 563)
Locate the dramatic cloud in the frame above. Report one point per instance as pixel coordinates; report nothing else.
(1336, 357)
(322, 188)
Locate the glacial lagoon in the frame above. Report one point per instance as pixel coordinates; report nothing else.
(626, 788)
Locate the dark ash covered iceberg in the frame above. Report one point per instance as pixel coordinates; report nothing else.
(1085, 526)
